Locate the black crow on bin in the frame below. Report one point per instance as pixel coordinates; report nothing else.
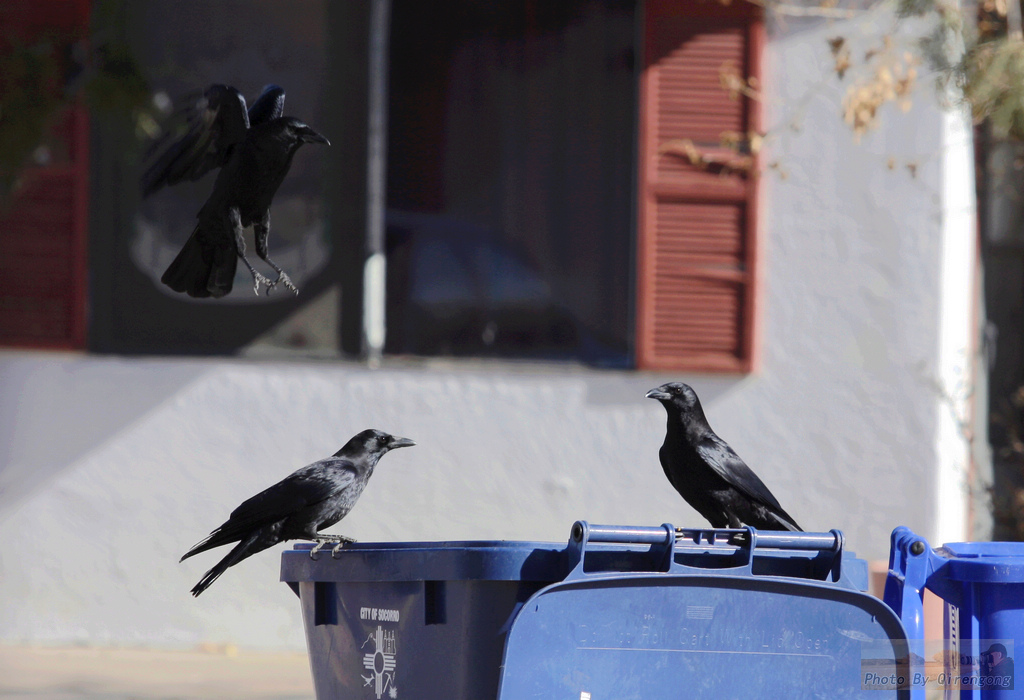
(707, 473)
(299, 506)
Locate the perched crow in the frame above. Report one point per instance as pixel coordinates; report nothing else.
(299, 506)
(254, 151)
(707, 473)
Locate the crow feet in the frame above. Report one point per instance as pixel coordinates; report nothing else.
(282, 278)
(338, 540)
(258, 278)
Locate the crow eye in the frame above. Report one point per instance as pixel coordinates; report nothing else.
(383, 440)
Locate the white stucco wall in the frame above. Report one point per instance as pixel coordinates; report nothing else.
(111, 468)
(114, 467)
(871, 252)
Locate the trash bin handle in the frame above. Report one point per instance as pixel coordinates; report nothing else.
(583, 533)
(666, 539)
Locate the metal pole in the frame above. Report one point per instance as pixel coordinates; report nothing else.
(374, 271)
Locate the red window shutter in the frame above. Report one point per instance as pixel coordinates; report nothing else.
(43, 225)
(697, 226)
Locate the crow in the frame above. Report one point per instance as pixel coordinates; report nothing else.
(300, 505)
(707, 473)
(253, 149)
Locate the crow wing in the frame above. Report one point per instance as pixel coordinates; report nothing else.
(268, 106)
(199, 139)
(717, 454)
(784, 519)
(307, 486)
(666, 459)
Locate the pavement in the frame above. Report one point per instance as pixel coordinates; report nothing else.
(208, 673)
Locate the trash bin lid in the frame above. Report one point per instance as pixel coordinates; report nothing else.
(727, 614)
(992, 562)
(669, 636)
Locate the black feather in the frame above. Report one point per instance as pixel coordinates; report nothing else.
(213, 125)
(268, 106)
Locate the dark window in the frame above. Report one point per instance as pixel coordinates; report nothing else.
(183, 46)
(510, 179)
(531, 211)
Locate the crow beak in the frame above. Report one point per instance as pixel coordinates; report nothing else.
(658, 394)
(400, 442)
(310, 136)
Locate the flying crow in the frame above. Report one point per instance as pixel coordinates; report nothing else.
(300, 505)
(253, 149)
(707, 473)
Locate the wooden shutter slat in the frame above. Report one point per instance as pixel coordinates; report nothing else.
(42, 253)
(697, 245)
(690, 100)
(43, 225)
(43, 318)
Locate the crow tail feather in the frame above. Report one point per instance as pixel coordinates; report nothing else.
(242, 550)
(201, 270)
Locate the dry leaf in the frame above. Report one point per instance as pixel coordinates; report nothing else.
(843, 64)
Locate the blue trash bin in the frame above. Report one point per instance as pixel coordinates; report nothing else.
(618, 612)
(982, 584)
(414, 619)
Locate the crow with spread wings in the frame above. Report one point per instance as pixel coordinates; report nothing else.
(253, 148)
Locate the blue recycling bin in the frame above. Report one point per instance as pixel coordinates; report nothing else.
(982, 584)
(617, 612)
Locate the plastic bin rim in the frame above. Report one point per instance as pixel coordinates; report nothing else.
(439, 544)
(495, 560)
(1013, 551)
